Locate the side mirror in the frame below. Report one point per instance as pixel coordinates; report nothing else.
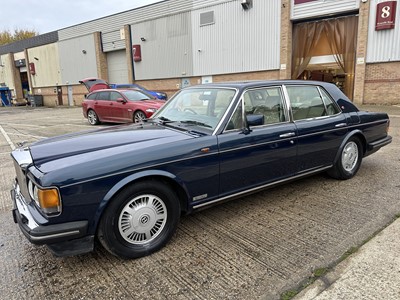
(121, 100)
(255, 120)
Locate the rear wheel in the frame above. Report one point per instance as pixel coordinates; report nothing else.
(138, 116)
(349, 161)
(140, 220)
(93, 119)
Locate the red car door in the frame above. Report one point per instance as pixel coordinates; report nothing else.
(102, 106)
(120, 108)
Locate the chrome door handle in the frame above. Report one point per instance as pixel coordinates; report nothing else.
(286, 135)
(340, 125)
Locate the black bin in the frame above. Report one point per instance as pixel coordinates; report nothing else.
(35, 100)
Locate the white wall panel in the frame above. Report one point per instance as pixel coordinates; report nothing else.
(46, 65)
(75, 64)
(137, 15)
(383, 45)
(117, 67)
(166, 51)
(239, 40)
(320, 8)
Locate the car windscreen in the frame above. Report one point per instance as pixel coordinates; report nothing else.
(135, 95)
(200, 107)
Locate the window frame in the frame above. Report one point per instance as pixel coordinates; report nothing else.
(244, 120)
(319, 88)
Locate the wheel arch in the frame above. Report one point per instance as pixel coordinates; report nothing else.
(92, 109)
(136, 111)
(355, 133)
(164, 177)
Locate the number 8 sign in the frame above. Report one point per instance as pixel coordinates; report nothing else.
(385, 15)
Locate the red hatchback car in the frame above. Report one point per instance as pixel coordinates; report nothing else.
(117, 106)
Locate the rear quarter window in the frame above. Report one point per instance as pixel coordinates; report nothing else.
(91, 96)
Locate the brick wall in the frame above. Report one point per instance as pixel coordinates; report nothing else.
(171, 86)
(382, 83)
(50, 98)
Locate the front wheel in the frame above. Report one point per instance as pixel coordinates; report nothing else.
(349, 161)
(139, 116)
(140, 220)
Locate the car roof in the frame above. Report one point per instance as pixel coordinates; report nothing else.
(332, 89)
(256, 83)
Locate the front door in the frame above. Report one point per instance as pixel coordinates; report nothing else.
(266, 152)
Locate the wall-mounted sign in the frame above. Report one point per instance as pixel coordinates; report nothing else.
(137, 53)
(32, 69)
(385, 15)
(302, 1)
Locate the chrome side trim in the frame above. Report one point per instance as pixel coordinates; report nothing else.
(256, 189)
(54, 236)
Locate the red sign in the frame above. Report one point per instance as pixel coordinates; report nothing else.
(385, 15)
(32, 69)
(302, 1)
(137, 53)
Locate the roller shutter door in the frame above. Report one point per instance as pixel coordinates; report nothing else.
(117, 67)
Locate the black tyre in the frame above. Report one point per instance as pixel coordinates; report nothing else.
(93, 119)
(140, 220)
(138, 116)
(349, 161)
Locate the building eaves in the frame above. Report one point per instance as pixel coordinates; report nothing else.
(35, 41)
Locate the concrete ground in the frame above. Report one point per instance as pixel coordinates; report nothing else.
(371, 273)
(256, 247)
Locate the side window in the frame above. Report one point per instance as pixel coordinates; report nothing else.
(103, 96)
(331, 108)
(114, 96)
(267, 102)
(306, 102)
(91, 96)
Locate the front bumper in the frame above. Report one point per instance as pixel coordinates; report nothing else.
(65, 234)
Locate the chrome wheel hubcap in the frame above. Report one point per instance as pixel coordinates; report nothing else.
(139, 117)
(92, 117)
(142, 219)
(350, 156)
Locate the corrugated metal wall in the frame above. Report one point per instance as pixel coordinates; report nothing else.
(112, 41)
(116, 21)
(239, 40)
(383, 45)
(166, 51)
(46, 65)
(320, 8)
(74, 63)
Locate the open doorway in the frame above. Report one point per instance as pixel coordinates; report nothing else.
(24, 84)
(325, 50)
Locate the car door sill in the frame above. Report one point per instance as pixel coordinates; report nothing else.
(258, 188)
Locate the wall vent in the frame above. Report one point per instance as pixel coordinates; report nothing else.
(207, 18)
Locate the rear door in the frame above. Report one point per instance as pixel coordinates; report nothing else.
(102, 106)
(264, 154)
(320, 126)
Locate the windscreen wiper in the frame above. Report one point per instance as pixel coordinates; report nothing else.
(192, 122)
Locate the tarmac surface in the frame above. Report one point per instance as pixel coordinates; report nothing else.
(256, 247)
